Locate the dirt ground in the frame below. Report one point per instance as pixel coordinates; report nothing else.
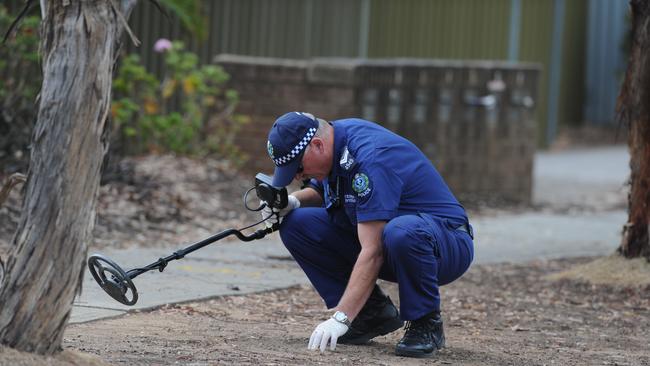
(538, 313)
(495, 315)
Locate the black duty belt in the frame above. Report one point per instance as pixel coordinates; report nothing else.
(467, 228)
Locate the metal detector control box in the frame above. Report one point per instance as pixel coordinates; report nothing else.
(276, 197)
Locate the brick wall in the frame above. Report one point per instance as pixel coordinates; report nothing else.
(474, 120)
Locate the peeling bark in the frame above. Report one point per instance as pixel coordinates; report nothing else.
(633, 108)
(13, 180)
(79, 41)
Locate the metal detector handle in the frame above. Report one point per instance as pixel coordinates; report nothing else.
(259, 234)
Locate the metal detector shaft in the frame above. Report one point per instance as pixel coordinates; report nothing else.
(119, 285)
(161, 263)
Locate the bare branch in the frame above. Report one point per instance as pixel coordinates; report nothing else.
(127, 7)
(28, 6)
(161, 9)
(118, 10)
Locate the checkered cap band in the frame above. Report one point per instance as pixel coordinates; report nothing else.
(297, 149)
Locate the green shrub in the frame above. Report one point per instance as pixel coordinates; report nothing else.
(20, 82)
(188, 112)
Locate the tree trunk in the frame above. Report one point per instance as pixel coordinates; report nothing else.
(44, 272)
(634, 111)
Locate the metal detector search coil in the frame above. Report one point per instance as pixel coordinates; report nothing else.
(118, 283)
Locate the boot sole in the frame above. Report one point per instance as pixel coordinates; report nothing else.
(385, 328)
(413, 354)
(416, 354)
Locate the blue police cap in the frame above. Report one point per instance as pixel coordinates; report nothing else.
(288, 139)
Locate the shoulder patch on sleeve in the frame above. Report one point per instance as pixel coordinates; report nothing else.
(361, 184)
(347, 160)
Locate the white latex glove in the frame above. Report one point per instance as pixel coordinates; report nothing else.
(326, 332)
(292, 204)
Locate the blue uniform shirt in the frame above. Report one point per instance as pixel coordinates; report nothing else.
(378, 175)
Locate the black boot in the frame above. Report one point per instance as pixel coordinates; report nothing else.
(423, 337)
(377, 317)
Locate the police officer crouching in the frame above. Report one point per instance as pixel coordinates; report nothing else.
(374, 207)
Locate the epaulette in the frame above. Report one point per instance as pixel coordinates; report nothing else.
(347, 160)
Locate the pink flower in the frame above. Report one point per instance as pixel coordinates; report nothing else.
(162, 45)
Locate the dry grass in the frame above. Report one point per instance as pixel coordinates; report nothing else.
(613, 270)
(12, 357)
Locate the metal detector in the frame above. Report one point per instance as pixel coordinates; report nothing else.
(118, 283)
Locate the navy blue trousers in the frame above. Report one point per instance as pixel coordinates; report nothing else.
(421, 253)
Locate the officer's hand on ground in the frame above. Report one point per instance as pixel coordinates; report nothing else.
(326, 332)
(277, 215)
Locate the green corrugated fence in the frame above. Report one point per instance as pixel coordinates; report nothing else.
(448, 29)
